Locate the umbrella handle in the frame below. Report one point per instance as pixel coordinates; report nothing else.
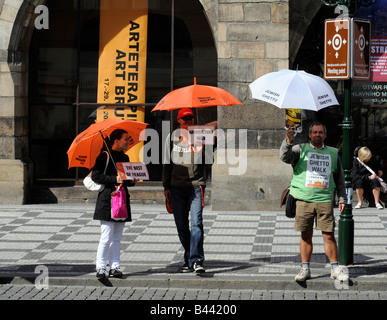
(108, 150)
(117, 188)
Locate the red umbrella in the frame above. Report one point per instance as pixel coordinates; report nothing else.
(86, 147)
(196, 96)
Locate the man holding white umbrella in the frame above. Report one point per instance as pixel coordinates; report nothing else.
(317, 173)
(317, 170)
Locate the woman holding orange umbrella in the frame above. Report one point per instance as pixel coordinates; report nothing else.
(111, 230)
(90, 149)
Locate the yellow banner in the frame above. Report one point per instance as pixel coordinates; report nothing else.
(122, 61)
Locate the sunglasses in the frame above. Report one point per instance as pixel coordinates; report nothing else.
(187, 118)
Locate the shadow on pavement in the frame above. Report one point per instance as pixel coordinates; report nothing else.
(32, 271)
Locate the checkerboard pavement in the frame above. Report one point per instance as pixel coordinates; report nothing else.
(245, 248)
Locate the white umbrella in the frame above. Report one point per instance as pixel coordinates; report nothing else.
(294, 89)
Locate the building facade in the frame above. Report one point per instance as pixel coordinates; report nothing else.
(49, 75)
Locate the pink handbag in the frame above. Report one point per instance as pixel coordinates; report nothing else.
(119, 209)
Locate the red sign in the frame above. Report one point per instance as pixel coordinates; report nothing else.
(361, 31)
(379, 59)
(337, 49)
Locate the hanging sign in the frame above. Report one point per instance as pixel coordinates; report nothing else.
(361, 34)
(379, 58)
(122, 61)
(337, 49)
(347, 48)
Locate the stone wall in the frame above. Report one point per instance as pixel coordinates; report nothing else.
(252, 40)
(16, 26)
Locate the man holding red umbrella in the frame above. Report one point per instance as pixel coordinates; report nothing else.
(184, 181)
(185, 178)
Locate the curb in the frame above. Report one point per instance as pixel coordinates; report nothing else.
(202, 282)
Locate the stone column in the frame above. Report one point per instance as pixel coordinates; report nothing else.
(252, 40)
(14, 164)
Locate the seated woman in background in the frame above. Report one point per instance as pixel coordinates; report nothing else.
(362, 178)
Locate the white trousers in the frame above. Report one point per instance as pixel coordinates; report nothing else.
(109, 244)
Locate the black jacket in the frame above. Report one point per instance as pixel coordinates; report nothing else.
(359, 172)
(103, 205)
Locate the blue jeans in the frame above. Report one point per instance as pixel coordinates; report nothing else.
(183, 200)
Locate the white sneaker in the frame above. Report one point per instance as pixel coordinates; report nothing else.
(358, 206)
(198, 267)
(339, 274)
(379, 206)
(303, 275)
(102, 273)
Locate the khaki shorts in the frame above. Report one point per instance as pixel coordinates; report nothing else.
(307, 212)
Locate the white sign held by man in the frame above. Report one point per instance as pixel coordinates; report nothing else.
(200, 135)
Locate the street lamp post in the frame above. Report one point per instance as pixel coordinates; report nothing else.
(346, 222)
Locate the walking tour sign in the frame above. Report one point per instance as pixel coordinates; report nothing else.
(337, 49)
(361, 30)
(347, 48)
(347, 57)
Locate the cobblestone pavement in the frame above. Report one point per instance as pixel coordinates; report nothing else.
(30, 292)
(249, 256)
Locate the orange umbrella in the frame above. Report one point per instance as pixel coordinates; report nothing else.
(196, 96)
(86, 147)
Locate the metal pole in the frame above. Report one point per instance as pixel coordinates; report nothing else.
(78, 80)
(346, 222)
(172, 56)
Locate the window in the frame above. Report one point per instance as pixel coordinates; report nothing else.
(63, 68)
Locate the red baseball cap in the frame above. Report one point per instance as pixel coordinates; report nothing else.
(184, 112)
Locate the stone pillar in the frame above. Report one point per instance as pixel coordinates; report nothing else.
(13, 135)
(252, 40)
(14, 168)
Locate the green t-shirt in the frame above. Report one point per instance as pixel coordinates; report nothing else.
(313, 175)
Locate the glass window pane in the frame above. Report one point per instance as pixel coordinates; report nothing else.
(64, 68)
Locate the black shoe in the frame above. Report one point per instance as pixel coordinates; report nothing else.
(101, 273)
(115, 273)
(198, 266)
(186, 268)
